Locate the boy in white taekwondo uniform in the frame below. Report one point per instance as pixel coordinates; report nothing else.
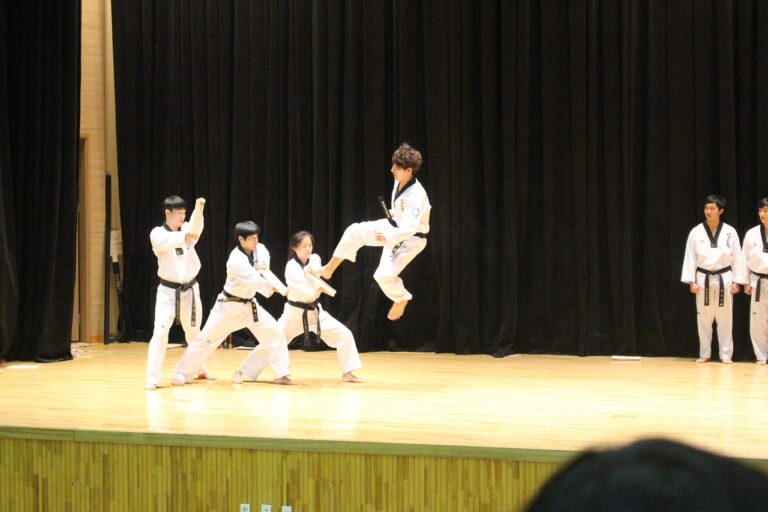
(178, 294)
(403, 234)
(712, 268)
(756, 257)
(236, 308)
(303, 312)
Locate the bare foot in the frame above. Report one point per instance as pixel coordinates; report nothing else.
(397, 310)
(284, 381)
(205, 376)
(177, 382)
(152, 387)
(761, 363)
(726, 361)
(702, 360)
(351, 377)
(237, 378)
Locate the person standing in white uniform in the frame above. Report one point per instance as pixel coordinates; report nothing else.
(303, 312)
(178, 294)
(403, 234)
(756, 257)
(236, 308)
(713, 268)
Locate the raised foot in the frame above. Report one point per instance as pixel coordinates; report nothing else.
(397, 310)
(237, 378)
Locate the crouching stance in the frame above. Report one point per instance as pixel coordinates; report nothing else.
(236, 308)
(303, 312)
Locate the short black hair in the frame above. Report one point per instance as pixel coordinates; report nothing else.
(407, 157)
(245, 229)
(763, 203)
(653, 474)
(715, 199)
(296, 239)
(174, 203)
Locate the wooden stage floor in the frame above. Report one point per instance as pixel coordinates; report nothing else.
(538, 406)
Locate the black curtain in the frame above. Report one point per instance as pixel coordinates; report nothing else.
(568, 146)
(39, 130)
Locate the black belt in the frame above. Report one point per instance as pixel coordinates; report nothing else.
(760, 277)
(228, 297)
(307, 306)
(179, 287)
(396, 247)
(706, 283)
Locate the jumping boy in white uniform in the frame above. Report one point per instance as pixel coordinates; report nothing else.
(178, 294)
(756, 257)
(403, 236)
(236, 308)
(303, 312)
(712, 268)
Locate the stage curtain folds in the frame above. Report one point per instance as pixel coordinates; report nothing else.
(567, 146)
(39, 130)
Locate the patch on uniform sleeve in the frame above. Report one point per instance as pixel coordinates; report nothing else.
(415, 212)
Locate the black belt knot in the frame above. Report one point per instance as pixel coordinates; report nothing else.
(228, 297)
(760, 278)
(718, 273)
(182, 287)
(308, 306)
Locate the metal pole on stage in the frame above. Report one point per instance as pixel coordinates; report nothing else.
(107, 230)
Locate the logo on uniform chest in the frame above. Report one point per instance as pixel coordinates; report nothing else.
(179, 251)
(728, 242)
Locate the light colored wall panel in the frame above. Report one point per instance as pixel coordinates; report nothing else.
(97, 127)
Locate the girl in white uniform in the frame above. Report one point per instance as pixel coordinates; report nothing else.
(303, 312)
(236, 308)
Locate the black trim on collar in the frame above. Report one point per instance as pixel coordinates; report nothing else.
(407, 185)
(713, 239)
(762, 237)
(168, 228)
(249, 256)
(302, 265)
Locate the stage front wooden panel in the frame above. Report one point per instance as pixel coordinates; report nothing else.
(423, 432)
(51, 475)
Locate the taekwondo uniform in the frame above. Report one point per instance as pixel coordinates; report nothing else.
(303, 313)
(235, 309)
(714, 262)
(756, 258)
(178, 294)
(405, 237)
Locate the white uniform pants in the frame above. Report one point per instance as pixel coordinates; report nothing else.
(333, 333)
(391, 265)
(758, 323)
(165, 314)
(225, 318)
(706, 315)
